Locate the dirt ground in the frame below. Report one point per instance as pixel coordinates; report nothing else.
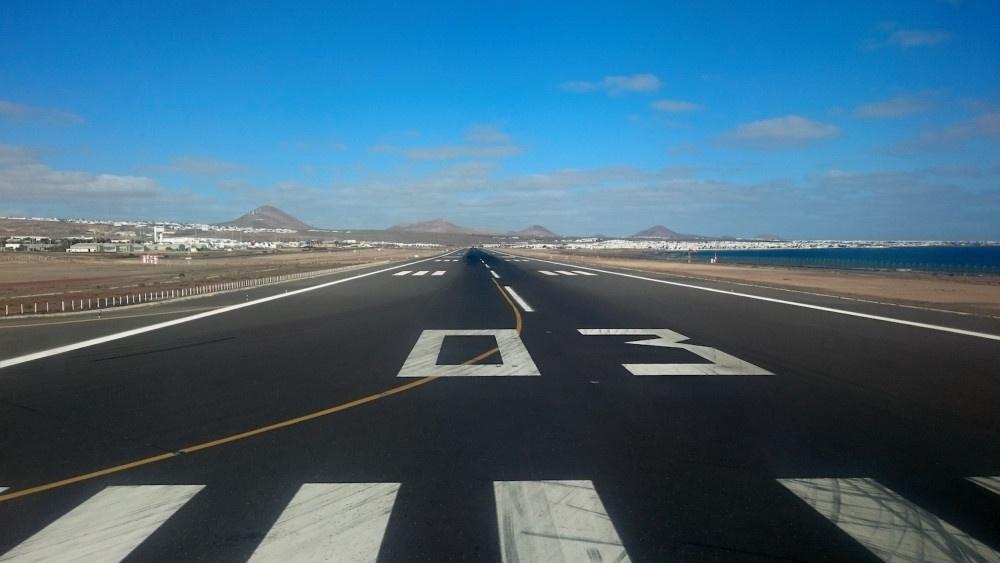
(966, 294)
(30, 277)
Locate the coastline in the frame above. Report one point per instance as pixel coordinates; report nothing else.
(975, 295)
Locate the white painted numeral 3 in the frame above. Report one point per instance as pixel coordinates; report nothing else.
(722, 363)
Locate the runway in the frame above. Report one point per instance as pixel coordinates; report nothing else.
(481, 406)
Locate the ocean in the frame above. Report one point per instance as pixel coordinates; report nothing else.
(972, 260)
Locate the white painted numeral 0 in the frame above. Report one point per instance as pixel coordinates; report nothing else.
(722, 363)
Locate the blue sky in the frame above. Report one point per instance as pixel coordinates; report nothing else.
(807, 120)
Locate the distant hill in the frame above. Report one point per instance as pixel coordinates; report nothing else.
(659, 231)
(767, 236)
(439, 226)
(268, 217)
(535, 231)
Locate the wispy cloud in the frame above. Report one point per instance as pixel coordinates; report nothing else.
(983, 126)
(790, 131)
(31, 114)
(908, 38)
(482, 142)
(616, 85)
(900, 106)
(197, 166)
(675, 106)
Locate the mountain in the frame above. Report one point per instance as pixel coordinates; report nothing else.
(437, 226)
(268, 217)
(767, 236)
(659, 231)
(535, 231)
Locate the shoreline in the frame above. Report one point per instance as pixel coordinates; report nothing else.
(955, 293)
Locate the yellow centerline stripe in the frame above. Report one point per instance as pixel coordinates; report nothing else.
(256, 431)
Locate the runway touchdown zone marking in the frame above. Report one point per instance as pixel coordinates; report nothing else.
(107, 526)
(420, 273)
(888, 525)
(566, 273)
(554, 521)
(331, 522)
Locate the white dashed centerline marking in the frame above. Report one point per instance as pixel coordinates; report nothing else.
(513, 294)
(495, 275)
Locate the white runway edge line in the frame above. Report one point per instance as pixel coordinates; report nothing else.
(513, 294)
(107, 526)
(331, 522)
(172, 322)
(940, 328)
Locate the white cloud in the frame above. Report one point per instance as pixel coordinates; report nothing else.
(616, 84)
(675, 106)
(486, 134)
(899, 106)
(23, 178)
(31, 114)
(197, 166)
(789, 131)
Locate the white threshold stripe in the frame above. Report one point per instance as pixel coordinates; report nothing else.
(929, 326)
(888, 525)
(548, 273)
(565, 273)
(991, 484)
(582, 273)
(402, 273)
(173, 322)
(439, 273)
(554, 521)
(331, 522)
(495, 274)
(513, 294)
(421, 273)
(107, 526)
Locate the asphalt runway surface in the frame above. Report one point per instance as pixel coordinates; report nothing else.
(481, 406)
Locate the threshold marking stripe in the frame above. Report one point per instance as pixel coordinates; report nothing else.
(402, 273)
(582, 273)
(421, 273)
(107, 526)
(548, 273)
(554, 521)
(495, 274)
(881, 318)
(565, 273)
(524, 305)
(331, 522)
(173, 322)
(439, 273)
(888, 525)
(991, 484)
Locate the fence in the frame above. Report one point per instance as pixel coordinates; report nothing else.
(125, 299)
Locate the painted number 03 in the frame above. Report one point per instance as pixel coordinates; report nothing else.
(721, 362)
